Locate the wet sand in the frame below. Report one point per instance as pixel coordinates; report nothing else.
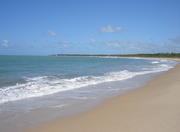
(153, 108)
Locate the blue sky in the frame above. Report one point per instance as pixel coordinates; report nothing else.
(42, 27)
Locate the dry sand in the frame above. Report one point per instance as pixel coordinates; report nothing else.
(152, 108)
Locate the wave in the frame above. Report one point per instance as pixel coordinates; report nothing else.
(46, 85)
(155, 62)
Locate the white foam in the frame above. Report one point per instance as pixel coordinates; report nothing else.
(59, 106)
(155, 62)
(40, 86)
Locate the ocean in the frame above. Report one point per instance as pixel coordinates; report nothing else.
(56, 85)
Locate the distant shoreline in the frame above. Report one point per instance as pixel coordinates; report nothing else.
(157, 55)
(168, 56)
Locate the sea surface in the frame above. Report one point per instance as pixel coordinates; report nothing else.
(34, 89)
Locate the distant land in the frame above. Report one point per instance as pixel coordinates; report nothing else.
(160, 55)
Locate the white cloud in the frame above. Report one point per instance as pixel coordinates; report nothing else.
(5, 43)
(51, 33)
(111, 29)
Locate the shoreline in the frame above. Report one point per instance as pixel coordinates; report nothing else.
(153, 107)
(134, 57)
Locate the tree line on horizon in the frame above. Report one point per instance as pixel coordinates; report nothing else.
(174, 55)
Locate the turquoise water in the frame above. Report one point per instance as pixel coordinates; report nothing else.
(24, 77)
(36, 89)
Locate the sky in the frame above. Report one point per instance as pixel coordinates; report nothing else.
(44, 27)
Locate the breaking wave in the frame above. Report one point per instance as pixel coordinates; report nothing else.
(45, 85)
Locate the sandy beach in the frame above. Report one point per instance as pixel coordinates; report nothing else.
(90, 66)
(153, 108)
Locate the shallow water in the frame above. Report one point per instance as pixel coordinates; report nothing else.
(51, 87)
